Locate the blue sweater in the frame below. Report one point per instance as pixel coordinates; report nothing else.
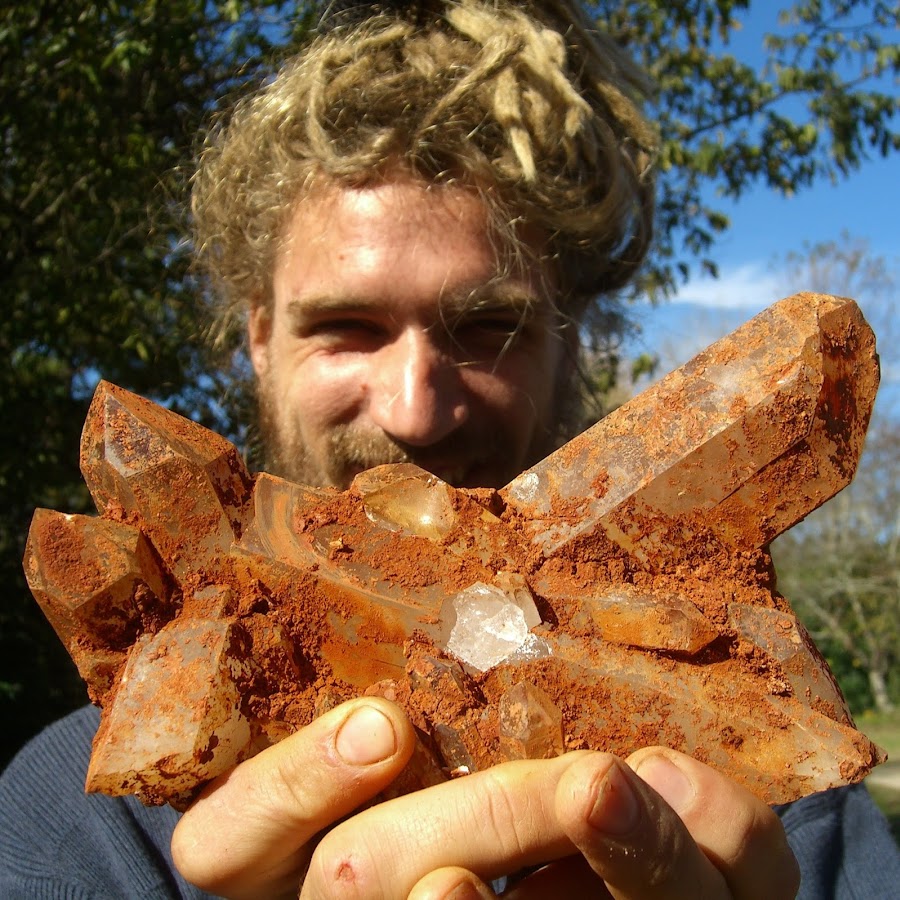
(56, 841)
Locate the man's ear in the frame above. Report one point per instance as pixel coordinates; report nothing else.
(259, 330)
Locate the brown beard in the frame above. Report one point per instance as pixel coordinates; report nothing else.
(352, 449)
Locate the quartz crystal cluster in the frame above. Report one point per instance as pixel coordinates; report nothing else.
(616, 595)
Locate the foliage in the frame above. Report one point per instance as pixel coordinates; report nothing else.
(100, 103)
(813, 102)
(841, 567)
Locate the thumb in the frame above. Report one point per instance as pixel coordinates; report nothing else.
(248, 833)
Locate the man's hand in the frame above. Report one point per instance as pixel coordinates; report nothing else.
(659, 825)
(251, 833)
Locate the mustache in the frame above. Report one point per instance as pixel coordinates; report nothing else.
(354, 448)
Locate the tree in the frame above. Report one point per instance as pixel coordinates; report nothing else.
(100, 103)
(841, 567)
(814, 101)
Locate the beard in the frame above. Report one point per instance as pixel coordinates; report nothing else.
(470, 458)
(463, 459)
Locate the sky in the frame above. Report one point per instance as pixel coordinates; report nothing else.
(765, 227)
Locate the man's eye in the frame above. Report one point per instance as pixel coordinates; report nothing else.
(490, 333)
(355, 333)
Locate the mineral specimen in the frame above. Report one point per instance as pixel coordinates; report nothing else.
(616, 595)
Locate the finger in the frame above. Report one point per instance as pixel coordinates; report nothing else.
(632, 839)
(737, 831)
(451, 883)
(491, 823)
(246, 835)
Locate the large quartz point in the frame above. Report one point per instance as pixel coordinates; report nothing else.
(135, 456)
(189, 674)
(617, 595)
(735, 446)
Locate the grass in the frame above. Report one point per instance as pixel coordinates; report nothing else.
(884, 730)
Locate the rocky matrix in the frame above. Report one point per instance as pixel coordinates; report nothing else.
(615, 596)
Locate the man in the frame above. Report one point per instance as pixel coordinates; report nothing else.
(415, 217)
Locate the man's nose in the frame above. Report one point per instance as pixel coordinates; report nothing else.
(417, 394)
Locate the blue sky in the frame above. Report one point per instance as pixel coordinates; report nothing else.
(765, 227)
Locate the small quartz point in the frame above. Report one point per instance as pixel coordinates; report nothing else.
(530, 724)
(492, 627)
(785, 399)
(96, 581)
(625, 614)
(444, 680)
(785, 639)
(176, 719)
(422, 771)
(451, 705)
(405, 498)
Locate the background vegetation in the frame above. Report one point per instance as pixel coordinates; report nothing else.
(100, 105)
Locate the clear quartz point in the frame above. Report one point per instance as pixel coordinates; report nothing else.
(624, 614)
(405, 498)
(176, 720)
(758, 408)
(530, 724)
(95, 580)
(135, 454)
(492, 626)
(785, 639)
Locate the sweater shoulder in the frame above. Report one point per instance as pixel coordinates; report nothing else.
(843, 845)
(55, 840)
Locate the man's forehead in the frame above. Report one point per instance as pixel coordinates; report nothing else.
(340, 233)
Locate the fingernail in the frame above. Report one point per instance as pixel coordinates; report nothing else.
(616, 810)
(668, 781)
(465, 890)
(366, 737)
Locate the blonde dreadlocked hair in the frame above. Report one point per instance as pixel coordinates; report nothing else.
(522, 102)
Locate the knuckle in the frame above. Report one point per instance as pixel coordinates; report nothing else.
(286, 789)
(503, 809)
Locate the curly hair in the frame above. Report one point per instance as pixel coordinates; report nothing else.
(521, 102)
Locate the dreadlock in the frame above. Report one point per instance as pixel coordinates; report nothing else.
(522, 102)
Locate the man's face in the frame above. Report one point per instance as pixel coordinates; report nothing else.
(392, 338)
